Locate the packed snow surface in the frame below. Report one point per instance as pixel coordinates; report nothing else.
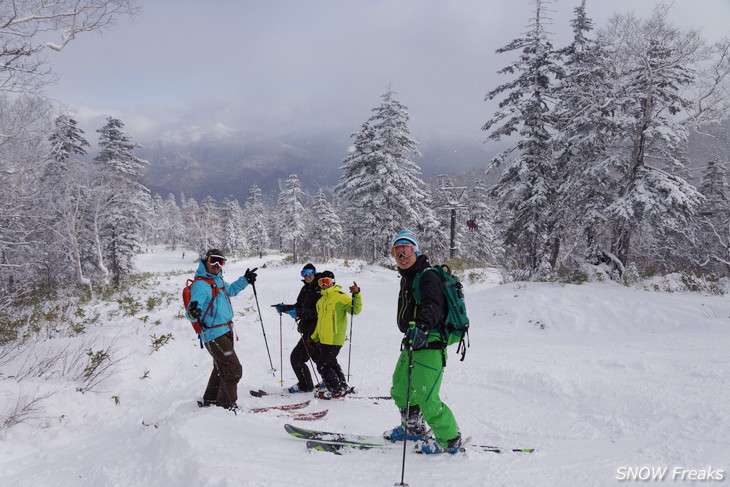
(604, 380)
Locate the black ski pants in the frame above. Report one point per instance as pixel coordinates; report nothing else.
(330, 370)
(299, 358)
(227, 371)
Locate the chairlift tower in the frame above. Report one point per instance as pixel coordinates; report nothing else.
(454, 198)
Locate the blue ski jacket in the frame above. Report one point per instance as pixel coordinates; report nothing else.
(221, 312)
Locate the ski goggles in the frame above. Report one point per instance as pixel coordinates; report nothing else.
(307, 272)
(403, 250)
(216, 260)
(326, 281)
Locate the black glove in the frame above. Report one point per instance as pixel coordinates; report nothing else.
(250, 275)
(417, 337)
(194, 310)
(284, 308)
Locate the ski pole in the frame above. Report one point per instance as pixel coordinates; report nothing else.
(281, 355)
(352, 317)
(309, 356)
(256, 297)
(406, 416)
(349, 352)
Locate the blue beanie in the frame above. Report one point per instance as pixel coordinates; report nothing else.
(406, 237)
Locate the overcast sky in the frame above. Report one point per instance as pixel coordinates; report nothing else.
(277, 66)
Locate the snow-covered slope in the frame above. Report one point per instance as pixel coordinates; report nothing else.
(600, 378)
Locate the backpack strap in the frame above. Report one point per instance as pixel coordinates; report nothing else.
(417, 296)
(214, 294)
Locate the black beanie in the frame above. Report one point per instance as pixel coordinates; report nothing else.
(310, 266)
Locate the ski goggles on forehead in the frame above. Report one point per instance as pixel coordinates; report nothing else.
(216, 260)
(403, 250)
(326, 281)
(307, 272)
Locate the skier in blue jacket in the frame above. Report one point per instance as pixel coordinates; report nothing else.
(212, 309)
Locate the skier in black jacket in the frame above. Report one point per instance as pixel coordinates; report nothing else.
(422, 347)
(305, 314)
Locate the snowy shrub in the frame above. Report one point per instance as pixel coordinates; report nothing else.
(129, 305)
(153, 302)
(159, 342)
(9, 327)
(97, 369)
(631, 276)
(25, 408)
(701, 283)
(475, 276)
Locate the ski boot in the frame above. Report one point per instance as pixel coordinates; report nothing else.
(430, 446)
(416, 427)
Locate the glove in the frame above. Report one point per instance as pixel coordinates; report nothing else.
(354, 289)
(417, 337)
(250, 275)
(279, 307)
(194, 310)
(292, 313)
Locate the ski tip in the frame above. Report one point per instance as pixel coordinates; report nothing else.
(325, 447)
(309, 416)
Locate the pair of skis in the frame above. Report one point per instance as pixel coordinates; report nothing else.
(289, 410)
(262, 393)
(338, 443)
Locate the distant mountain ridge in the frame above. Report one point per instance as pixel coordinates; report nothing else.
(227, 164)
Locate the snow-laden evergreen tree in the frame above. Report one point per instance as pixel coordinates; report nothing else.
(361, 214)
(194, 226)
(380, 184)
(234, 231)
(127, 200)
(154, 227)
(326, 232)
(527, 187)
(66, 183)
(291, 213)
(584, 130)
(67, 142)
(255, 215)
(210, 221)
(651, 65)
(433, 235)
(172, 226)
(714, 222)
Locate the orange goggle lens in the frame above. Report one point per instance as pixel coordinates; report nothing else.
(402, 251)
(326, 281)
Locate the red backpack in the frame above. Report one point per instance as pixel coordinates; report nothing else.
(186, 298)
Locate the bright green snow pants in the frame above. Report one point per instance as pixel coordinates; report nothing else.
(428, 370)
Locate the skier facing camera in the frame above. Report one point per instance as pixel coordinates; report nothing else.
(210, 306)
(332, 309)
(423, 355)
(304, 311)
